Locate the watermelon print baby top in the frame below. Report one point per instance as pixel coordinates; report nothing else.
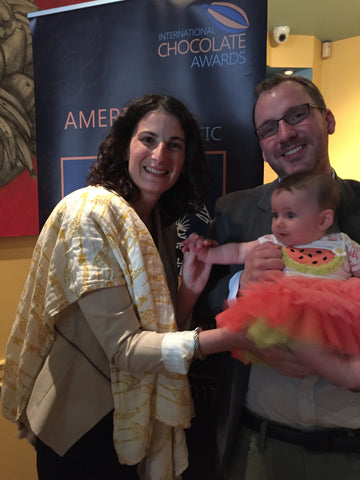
(334, 256)
(317, 301)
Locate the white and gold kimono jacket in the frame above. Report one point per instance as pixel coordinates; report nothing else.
(93, 240)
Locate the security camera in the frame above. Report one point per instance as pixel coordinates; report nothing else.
(281, 33)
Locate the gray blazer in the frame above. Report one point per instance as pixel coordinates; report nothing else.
(243, 216)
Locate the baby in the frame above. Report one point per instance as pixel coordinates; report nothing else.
(297, 306)
(303, 208)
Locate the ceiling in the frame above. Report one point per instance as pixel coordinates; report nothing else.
(324, 19)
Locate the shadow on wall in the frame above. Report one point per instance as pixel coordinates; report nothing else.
(17, 459)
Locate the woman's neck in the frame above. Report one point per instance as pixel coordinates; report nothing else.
(145, 210)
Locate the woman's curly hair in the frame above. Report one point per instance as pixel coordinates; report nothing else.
(111, 168)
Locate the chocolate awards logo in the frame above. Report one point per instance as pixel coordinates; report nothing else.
(219, 42)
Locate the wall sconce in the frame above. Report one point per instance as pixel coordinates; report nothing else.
(326, 49)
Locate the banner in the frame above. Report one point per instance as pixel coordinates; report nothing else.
(91, 59)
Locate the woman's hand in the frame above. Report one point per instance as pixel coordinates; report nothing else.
(195, 273)
(280, 358)
(284, 361)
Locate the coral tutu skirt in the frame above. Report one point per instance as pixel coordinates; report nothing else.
(319, 311)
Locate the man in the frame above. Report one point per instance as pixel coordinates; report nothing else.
(295, 423)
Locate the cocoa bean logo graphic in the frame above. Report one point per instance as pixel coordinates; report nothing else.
(228, 17)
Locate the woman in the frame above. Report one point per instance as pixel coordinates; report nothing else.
(95, 373)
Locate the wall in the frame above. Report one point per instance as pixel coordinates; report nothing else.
(17, 458)
(337, 77)
(340, 82)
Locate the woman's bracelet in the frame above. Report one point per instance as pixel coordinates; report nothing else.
(197, 350)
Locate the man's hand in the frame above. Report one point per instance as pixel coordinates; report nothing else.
(342, 370)
(283, 361)
(262, 261)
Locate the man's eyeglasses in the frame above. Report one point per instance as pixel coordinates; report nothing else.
(293, 116)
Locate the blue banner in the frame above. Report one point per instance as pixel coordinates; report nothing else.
(92, 58)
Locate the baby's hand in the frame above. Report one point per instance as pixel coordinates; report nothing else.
(197, 244)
